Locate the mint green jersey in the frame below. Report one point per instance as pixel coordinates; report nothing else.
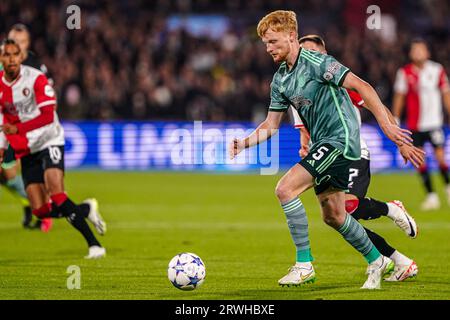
(313, 88)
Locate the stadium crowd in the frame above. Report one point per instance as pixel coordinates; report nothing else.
(128, 61)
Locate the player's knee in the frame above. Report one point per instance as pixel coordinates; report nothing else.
(332, 217)
(284, 193)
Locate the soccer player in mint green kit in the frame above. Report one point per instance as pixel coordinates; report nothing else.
(314, 84)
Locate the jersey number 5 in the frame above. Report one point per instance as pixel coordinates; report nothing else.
(319, 153)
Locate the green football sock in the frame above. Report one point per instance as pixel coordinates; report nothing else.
(354, 233)
(15, 185)
(298, 226)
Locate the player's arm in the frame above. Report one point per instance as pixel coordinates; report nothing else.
(3, 141)
(278, 106)
(415, 155)
(3, 145)
(400, 90)
(398, 103)
(398, 135)
(304, 142)
(389, 114)
(263, 132)
(304, 134)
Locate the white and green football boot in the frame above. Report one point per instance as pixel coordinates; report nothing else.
(298, 275)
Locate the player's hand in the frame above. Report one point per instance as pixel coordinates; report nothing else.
(304, 150)
(236, 147)
(2, 155)
(9, 128)
(398, 135)
(412, 154)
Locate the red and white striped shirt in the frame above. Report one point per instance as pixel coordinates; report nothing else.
(29, 103)
(423, 88)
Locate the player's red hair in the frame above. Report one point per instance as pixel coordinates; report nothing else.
(280, 20)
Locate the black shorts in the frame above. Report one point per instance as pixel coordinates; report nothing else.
(328, 167)
(9, 159)
(435, 137)
(359, 178)
(34, 165)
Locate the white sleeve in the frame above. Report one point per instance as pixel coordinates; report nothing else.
(294, 115)
(401, 84)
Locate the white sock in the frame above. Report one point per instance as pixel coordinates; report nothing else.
(392, 210)
(399, 258)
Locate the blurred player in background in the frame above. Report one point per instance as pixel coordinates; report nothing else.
(9, 176)
(419, 86)
(312, 82)
(356, 202)
(31, 126)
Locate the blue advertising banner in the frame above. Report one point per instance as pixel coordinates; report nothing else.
(202, 146)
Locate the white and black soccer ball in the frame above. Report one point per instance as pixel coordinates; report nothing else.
(186, 271)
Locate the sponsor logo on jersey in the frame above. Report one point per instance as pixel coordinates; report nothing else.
(327, 76)
(334, 67)
(26, 92)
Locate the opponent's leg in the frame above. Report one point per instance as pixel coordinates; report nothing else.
(403, 266)
(368, 209)
(14, 183)
(54, 182)
(88, 209)
(431, 201)
(443, 169)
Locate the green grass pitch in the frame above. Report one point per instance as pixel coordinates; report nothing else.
(233, 222)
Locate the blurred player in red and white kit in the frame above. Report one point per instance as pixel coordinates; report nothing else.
(29, 123)
(356, 202)
(10, 168)
(420, 85)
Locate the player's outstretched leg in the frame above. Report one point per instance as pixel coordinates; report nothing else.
(368, 209)
(94, 215)
(293, 183)
(333, 211)
(443, 169)
(303, 271)
(14, 184)
(75, 217)
(404, 268)
(402, 219)
(431, 201)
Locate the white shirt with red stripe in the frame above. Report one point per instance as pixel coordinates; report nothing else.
(422, 88)
(358, 102)
(29, 103)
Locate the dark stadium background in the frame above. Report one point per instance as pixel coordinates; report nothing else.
(134, 61)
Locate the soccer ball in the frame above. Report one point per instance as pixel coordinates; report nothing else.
(186, 271)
